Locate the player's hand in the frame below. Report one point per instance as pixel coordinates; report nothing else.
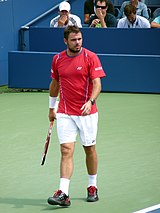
(52, 114)
(86, 108)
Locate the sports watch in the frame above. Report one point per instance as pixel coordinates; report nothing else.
(92, 101)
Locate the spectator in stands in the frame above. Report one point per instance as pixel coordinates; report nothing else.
(65, 18)
(131, 20)
(89, 9)
(141, 9)
(156, 13)
(102, 18)
(156, 22)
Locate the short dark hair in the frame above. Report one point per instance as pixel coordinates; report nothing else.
(71, 29)
(106, 1)
(129, 9)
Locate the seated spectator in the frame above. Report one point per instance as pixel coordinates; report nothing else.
(101, 17)
(141, 8)
(156, 22)
(90, 10)
(65, 18)
(131, 20)
(156, 13)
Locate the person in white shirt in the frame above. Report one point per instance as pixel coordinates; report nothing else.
(131, 20)
(64, 18)
(141, 8)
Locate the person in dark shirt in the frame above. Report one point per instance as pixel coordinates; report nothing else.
(102, 18)
(89, 9)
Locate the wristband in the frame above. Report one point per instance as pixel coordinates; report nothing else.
(52, 102)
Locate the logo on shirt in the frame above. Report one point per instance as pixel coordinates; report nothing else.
(79, 68)
(98, 68)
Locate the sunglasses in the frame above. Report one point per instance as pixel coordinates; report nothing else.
(102, 7)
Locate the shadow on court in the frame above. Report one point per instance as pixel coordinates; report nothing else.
(22, 202)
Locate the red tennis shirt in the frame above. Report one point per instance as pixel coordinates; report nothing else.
(75, 75)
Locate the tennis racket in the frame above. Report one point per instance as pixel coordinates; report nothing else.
(47, 143)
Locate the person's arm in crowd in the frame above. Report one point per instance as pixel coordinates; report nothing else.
(79, 23)
(145, 12)
(120, 15)
(155, 23)
(101, 18)
(86, 18)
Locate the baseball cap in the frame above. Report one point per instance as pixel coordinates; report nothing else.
(64, 6)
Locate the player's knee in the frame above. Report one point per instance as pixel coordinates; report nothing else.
(90, 150)
(67, 150)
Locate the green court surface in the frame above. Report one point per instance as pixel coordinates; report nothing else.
(128, 146)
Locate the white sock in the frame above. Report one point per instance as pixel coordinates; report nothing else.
(64, 185)
(92, 180)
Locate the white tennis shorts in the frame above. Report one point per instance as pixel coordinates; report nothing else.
(69, 126)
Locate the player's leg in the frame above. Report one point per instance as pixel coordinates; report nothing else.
(88, 132)
(91, 164)
(66, 166)
(91, 159)
(67, 132)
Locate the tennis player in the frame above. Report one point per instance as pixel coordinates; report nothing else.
(76, 74)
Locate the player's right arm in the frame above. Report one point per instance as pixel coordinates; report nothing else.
(53, 94)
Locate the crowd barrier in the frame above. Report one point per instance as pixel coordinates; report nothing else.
(125, 73)
(99, 40)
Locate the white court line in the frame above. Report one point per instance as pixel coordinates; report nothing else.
(148, 209)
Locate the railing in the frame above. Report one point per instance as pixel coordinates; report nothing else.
(22, 44)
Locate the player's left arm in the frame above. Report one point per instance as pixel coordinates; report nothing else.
(96, 88)
(86, 108)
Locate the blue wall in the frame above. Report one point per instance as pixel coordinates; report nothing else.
(129, 57)
(20, 12)
(125, 73)
(99, 40)
(14, 14)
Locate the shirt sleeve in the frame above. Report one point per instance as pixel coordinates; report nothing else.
(79, 24)
(120, 24)
(112, 21)
(147, 24)
(156, 20)
(90, 20)
(95, 68)
(54, 72)
(54, 22)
